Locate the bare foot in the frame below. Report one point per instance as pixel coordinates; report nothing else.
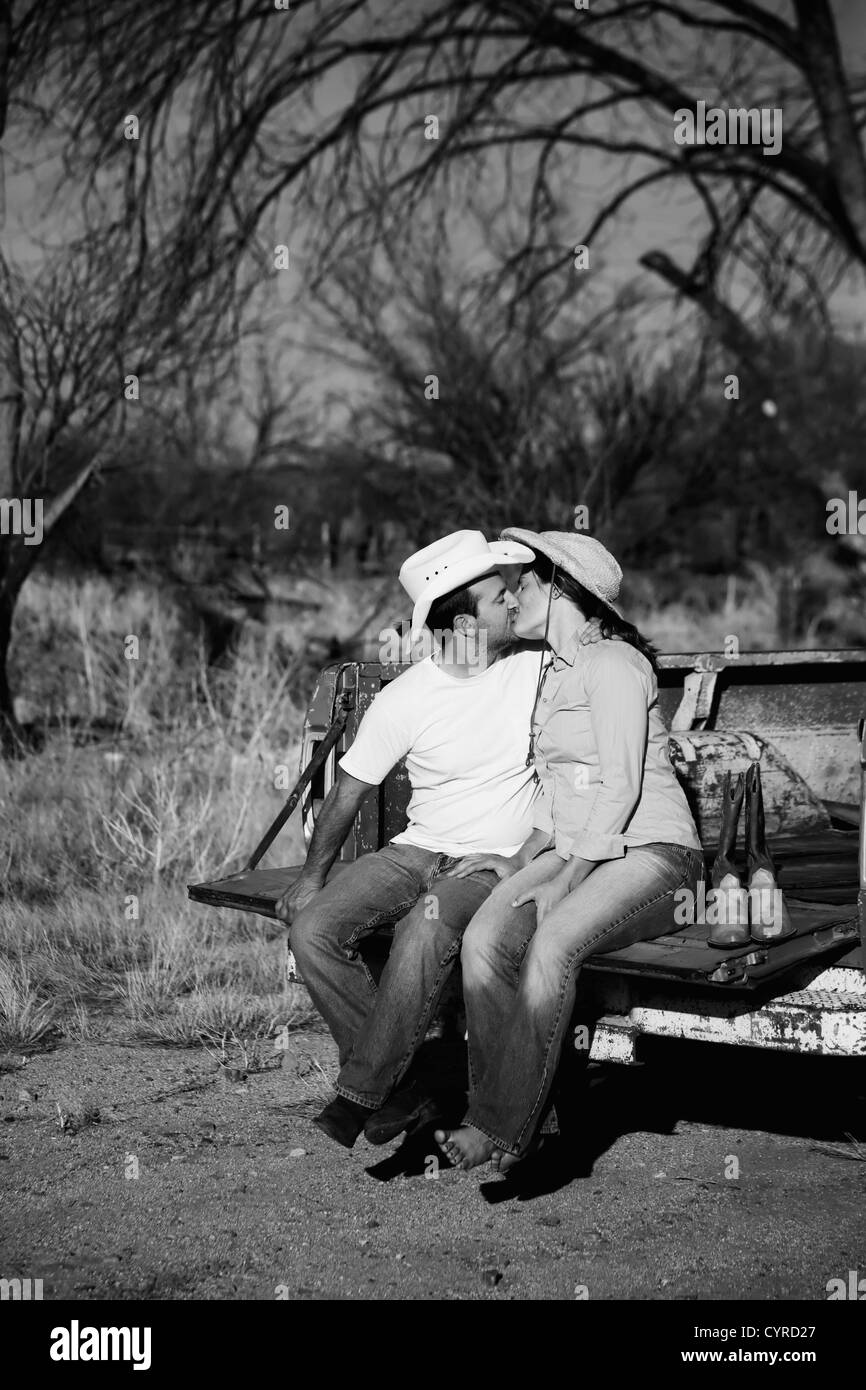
(466, 1147)
(503, 1161)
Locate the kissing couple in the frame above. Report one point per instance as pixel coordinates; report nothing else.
(545, 824)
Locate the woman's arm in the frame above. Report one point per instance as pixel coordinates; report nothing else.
(539, 840)
(619, 695)
(576, 869)
(550, 893)
(619, 698)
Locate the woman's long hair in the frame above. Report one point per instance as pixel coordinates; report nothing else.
(612, 625)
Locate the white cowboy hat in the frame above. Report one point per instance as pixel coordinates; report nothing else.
(451, 563)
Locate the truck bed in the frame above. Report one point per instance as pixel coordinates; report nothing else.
(825, 930)
(797, 712)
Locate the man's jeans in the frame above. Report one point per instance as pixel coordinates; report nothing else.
(378, 1029)
(519, 983)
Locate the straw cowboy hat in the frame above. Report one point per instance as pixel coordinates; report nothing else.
(580, 556)
(452, 563)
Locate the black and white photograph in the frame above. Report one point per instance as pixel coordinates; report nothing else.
(433, 669)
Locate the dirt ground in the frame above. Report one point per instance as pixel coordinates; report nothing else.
(702, 1174)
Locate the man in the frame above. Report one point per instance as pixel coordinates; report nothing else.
(460, 719)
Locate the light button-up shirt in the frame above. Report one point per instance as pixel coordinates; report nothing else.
(601, 754)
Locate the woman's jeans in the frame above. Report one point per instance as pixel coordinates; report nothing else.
(378, 1028)
(519, 983)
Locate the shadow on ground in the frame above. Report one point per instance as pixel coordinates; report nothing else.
(818, 1098)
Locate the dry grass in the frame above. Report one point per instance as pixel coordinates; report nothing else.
(75, 1113)
(78, 1025)
(25, 1017)
(749, 607)
(313, 1084)
(210, 1014)
(105, 836)
(854, 1151)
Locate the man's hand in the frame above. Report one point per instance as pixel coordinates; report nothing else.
(292, 903)
(591, 633)
(501, 865)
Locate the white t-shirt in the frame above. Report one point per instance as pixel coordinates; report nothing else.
(465, 743)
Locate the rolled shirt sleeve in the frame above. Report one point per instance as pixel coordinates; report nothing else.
(619, 696)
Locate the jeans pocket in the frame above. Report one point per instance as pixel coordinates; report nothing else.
(696, 867)
(686, 859)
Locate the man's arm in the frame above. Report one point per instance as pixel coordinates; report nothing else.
(503, 865)
(332, 826)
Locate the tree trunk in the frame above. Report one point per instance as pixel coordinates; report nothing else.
(12, 737)
(822, 61)
(12, 560)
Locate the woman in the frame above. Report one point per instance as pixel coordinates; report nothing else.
(615, 835)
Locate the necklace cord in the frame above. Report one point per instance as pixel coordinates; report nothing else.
(530, 757)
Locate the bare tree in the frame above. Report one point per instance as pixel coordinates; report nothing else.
(480, 403)
(84, 348)
(325, 105)
(537, 81)
(247, 114)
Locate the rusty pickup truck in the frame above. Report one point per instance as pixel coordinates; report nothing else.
(801, 715)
